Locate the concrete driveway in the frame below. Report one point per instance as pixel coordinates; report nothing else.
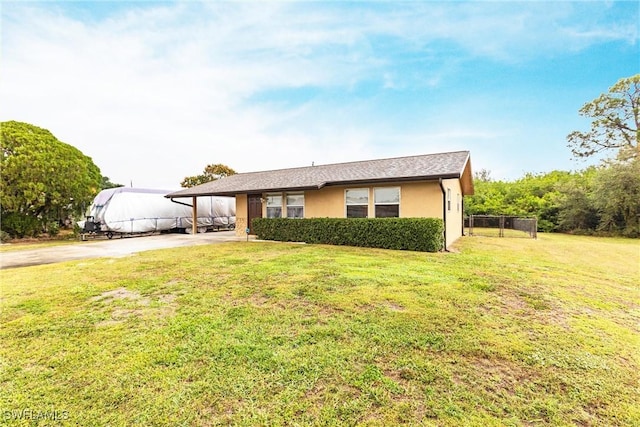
(117, 247)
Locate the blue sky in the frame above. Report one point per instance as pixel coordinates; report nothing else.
(154, 91)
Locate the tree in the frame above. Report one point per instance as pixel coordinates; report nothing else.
(42, 179)
(210, 173)
(616, 122)
(576, 209)
(616, 195)
(106, 184)
(483, 175)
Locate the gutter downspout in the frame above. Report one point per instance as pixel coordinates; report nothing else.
(444, 212)
(180, 203)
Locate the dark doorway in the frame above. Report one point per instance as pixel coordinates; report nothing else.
(254, 207)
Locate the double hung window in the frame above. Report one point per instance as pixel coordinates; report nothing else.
(274, 206)
(387, 202)
(295, 205)
(357, 201)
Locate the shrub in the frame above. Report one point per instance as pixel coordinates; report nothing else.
(18, 225)
(77, 231)
(546, 226)
(53, 228)
(414, 234)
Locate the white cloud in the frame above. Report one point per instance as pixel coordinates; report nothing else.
(154, 93)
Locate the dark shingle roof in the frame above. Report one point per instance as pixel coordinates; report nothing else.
(414, 168)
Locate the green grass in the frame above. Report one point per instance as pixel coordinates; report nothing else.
(500, 332)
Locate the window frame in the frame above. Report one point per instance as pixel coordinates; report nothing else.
(376, 203)
(267, 206)
(347, 204)
(287, 205)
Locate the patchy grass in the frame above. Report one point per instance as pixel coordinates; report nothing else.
(502, 332)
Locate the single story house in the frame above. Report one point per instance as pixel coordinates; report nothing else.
(430, 185)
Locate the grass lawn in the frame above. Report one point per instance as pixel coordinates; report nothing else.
(500, 332)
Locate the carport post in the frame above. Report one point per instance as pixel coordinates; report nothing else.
(194, 225)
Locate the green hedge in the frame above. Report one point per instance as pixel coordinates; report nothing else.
(414, 234)
(18, 225)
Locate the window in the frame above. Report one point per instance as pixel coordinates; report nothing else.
(458, 203)
(274, 206)
(357, 201)
(387, 201)
(295, 205)
(448, 199)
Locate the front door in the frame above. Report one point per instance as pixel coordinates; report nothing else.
(254, 207)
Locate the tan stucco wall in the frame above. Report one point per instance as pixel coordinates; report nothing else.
(324, 203)
(241, 214)
(420, 199)
(417, 199)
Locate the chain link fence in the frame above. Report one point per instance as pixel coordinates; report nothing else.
(501, 226)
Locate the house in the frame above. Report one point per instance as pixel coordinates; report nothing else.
(431, 185)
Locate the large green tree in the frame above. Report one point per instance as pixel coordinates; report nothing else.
(615, 122)
(576, 208)
(616, 195)
(42, 179)
(210, 173)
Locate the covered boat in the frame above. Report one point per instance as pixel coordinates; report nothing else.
(136, 210)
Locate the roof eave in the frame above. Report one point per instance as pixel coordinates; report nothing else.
(233, 193)
(393, 180)
(466, 178)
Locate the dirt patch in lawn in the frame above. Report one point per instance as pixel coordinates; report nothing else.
(501, 376)
(528, 305)
(121, 294)
(122, 304)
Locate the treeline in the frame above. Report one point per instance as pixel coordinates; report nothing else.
(603, 200)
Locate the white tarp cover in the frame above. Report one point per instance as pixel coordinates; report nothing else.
(136, 210)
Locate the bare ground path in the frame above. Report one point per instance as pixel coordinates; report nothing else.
(110, 248)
